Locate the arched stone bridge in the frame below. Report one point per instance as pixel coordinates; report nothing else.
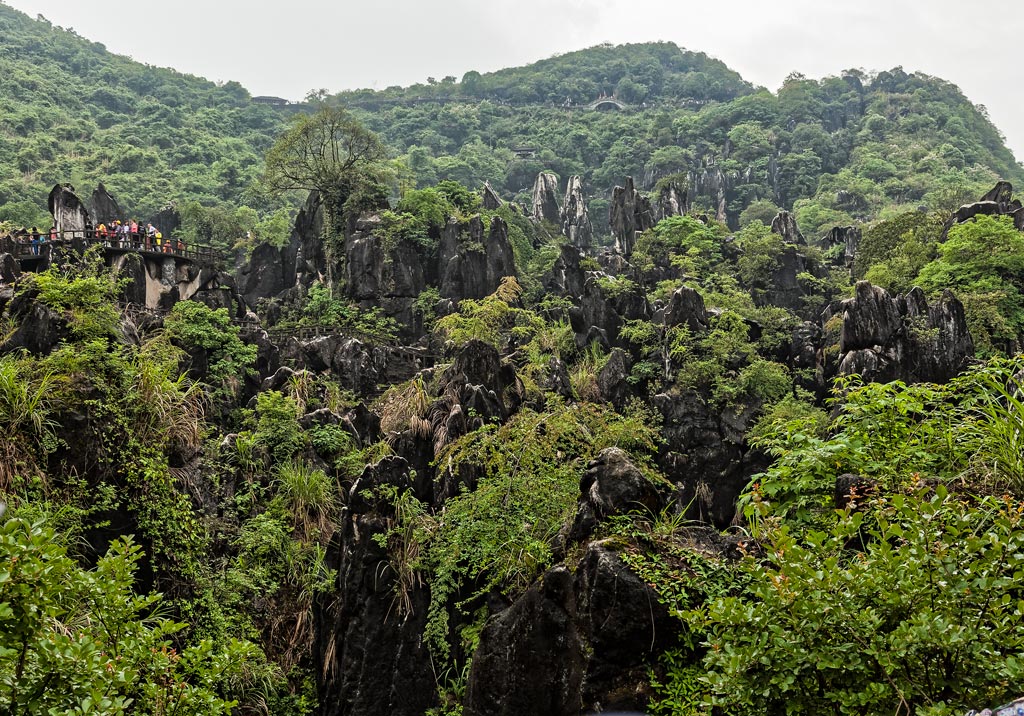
(606, 103)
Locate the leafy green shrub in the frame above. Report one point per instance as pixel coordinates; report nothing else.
(921, 617)
(195, 326)
(277, 426)
(80, 641)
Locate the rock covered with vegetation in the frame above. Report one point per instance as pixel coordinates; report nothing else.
(436, 456)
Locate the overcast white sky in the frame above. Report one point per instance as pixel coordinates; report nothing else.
(288, 48)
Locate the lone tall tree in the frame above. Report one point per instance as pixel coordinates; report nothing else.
(329, 152)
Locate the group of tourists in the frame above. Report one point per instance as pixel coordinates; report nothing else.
(117, 234)
(132, 235)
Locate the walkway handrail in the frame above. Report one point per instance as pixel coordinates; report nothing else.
(23, 246)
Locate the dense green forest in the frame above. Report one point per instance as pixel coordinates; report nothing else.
(415, 455)
(74, 112)
(845, 148)
(849, 147)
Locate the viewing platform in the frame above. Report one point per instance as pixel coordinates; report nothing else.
(30, 254)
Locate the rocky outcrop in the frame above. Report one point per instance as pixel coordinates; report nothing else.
(630, 212)
(384, 274)
(686, 307)
(604, 305)
(530, 658)
(574, 219)
(68, 211)
(884, 338)
(545, 198)
(567, 275)
(612, 485)
(370, 629)
(903, 338)
(9, 269)
(842, 242)
(161, 281)
(470, 263)
(491, 200)
(784, 224)
(582, 638)
(104, 206)
(356, 365)
(672, 201)
(713, 183)
(270, 271)
(37, 327)
(705, 454)
(997, 202)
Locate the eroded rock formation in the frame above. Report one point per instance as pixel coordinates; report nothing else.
(575, 219)
(997, 202)
(847, 237)
(629, 213)
(68, 211)
(104, 207)
(784, 224)
(672, 201)
(491, 200)
(545, 198)
(472, 262)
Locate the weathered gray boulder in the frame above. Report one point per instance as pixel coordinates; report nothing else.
(68, 211)
(998, 201)
(885, 338)
(567, 275)
(545, 198)
(9, 269)
(603, 310)
(613, 379)
(612, 485)
(530, 658)
(38, 328)
(630, 212)
(269, 271)
(470, 264)
(686, 307)
(705, 454)
(575, 220)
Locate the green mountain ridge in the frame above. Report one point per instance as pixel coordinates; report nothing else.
(839, 150)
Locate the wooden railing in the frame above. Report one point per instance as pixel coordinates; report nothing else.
(24, 247)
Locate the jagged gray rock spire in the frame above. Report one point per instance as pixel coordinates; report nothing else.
(575, 219)
(68, 211)
(784, 224)
(105, 208)
(491, 199)
(545, 198)
(672, 201)
(629, 213)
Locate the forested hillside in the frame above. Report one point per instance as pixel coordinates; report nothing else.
(74, 112)
(417, 451)
(842, 148)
